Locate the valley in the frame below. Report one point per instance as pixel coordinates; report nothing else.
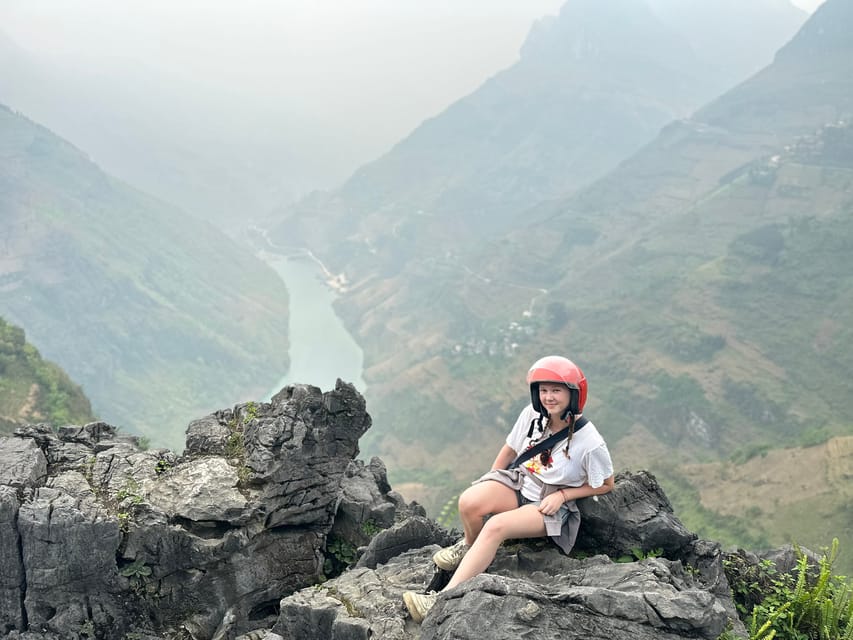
(678, 226)
(701, 284)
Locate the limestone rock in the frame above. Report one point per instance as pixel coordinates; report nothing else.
(233, 541)
(108, 539)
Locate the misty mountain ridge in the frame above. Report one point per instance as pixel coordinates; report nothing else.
(592, 86)
(166, 132)
(154, 312)
(825, 34)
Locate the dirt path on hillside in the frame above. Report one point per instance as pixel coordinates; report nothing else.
(28, 409)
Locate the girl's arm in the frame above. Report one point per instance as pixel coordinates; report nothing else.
(506, 455)
(584, 491)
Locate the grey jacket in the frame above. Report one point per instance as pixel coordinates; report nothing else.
(563, 534)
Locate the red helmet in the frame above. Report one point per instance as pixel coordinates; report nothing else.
(562, 371)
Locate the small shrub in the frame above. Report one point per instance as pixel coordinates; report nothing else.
(638, 554)
(234, 447)
(162, 466)
(139, 573)
(370, 528)
(130, 490)
(802, 605)
(340, 554)
(251, 412)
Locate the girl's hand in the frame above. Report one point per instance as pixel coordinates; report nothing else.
(551, 504)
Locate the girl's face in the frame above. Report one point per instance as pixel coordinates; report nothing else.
(554, 397)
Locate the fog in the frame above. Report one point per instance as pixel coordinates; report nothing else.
(351, 76)
(808, 5)
(273, 97)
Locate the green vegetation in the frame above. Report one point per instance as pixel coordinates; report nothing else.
(235, 445)
(763, 245)
(139, 575)
(638, 554)
(811, 603)
(448, 515)
(340, 554)
(369, 528)
(34, 390)
(131, 490)
(126, 499)
(688, 343)
(162, 466)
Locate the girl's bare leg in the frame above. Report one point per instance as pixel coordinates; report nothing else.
(521, 522)
(481, 499)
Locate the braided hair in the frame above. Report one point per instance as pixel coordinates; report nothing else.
(537, 422)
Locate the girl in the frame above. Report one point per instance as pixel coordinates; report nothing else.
(530, 491)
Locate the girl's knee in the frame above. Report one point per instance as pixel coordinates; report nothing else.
(484, 498)
(469, 502)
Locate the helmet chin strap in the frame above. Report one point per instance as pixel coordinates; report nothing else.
(543, 413)
(573, 403)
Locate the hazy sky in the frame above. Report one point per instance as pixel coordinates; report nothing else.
(808, 5)
(314, 67)
(404, 58)
(390, 63)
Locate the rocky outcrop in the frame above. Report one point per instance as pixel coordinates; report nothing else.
(268, 528)
(678, 591)
(535, 592)
(103, 539)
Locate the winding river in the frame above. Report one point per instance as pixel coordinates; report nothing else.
(321, 348)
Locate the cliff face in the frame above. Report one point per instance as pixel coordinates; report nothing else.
(267, 527)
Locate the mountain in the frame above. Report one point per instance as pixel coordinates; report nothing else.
(155, 313)
(702, 285)
(591, 87)
(408, 240)
(33, 390)
(741, 211)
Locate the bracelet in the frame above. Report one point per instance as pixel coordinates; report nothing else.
(564, 495)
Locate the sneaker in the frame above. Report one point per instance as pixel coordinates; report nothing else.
(450, 557)
(419, 604)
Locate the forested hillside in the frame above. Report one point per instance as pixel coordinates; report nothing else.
(34, 390)
(158, 315)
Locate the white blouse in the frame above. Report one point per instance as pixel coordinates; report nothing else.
(588, 461)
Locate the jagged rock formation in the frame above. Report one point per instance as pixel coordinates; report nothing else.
(243, 535)
(108, 539)
(531, 588)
